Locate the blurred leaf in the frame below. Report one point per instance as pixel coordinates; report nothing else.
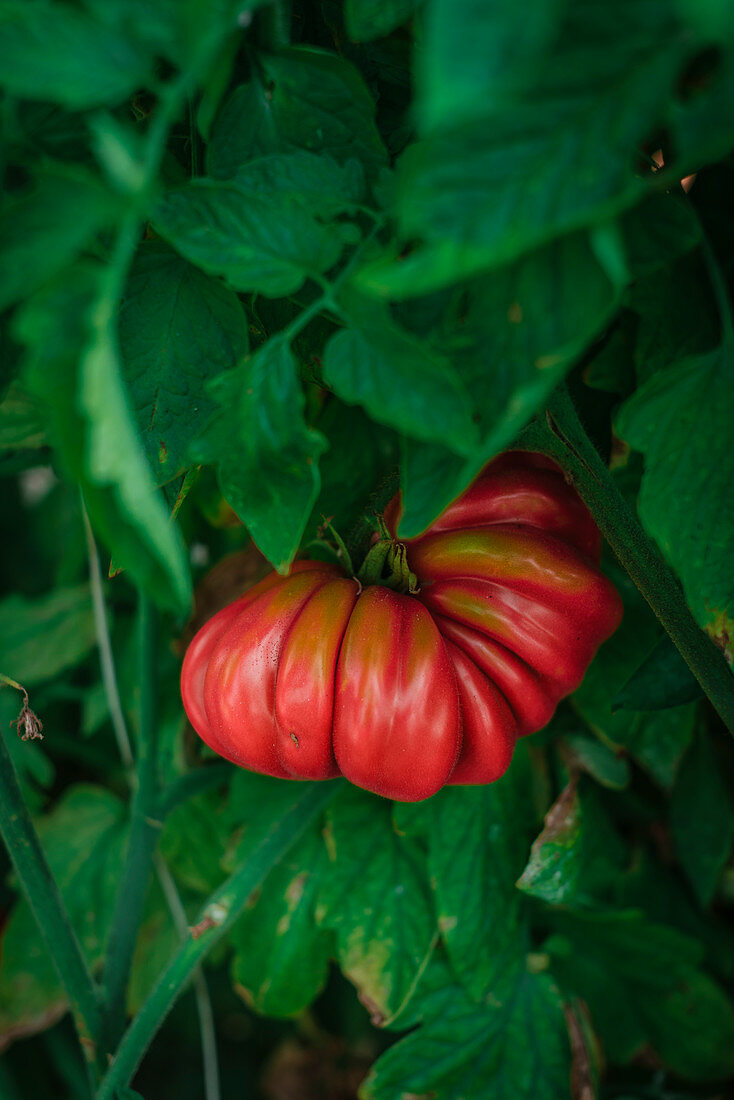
(642, 984)
(43, 230)
(685, 497)
(513, 1045)
(484, 189)
(89, 65)
(400, 381)
(313, 100)
(702, 817)
(662, 680)
(259, 231)
(478, 55)
(21, 423)
(72, 367)
(39, 638)
(375, 899)
(183, 31)
(578, 856)
(178, 329)
(267, 457)
(281, 957)
(369, 19)
(84, 839)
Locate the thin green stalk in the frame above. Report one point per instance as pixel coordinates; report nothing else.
(106, 660)
(181, 790)
(201, 991)
(144, 830)
(562, 436)
(42, 892)
(217, 916)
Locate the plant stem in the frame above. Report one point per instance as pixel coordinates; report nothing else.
(106, 660)
(203, 1001)
(562, 436)
(44, 898)
(144, 830)
(218, 915)
(184, 788)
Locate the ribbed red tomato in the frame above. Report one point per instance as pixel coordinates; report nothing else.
(311, 676)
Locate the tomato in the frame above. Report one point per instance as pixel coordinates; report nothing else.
(314, 675)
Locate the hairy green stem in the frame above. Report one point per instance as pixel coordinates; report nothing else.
(217, 916)
(44, 898)
(144, 831)
(562, 436)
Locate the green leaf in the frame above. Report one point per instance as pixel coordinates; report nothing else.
(266, 455)
(685, 496)
(658, 230)
(677, 315)
(72, 367)
(259, 231)
(369, 19)
(398, 379)
(519, 332)
(281, 956)
(656, 739)
(41, 637)
(662, 680)
(43, 230)
(607, 767)
(84, 840)
(553, 149)
(512, 1047)
(478, 842)
(642, 984)
(320, 102)
(578, 856)
(88, 65)
(193, 842)
(361, 456)
(376, 900)
(702, 817)
(178, 329)
(477, 55)
(313, 101)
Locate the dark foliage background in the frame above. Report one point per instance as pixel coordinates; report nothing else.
(255, 258)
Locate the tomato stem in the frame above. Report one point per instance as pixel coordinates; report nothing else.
(561, 435)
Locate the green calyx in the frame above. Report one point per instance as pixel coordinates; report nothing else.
(387, 564)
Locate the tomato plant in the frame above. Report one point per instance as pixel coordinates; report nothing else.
(366, 390)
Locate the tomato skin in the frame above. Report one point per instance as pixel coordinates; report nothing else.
(310, 676)
(397, 726)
